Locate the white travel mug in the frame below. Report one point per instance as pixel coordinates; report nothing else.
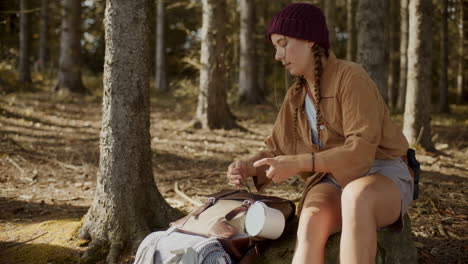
(263, 221)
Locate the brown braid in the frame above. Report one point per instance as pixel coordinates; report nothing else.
(318, 52)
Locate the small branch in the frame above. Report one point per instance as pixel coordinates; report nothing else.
(183, 195)
(16, 164)
(24, 242)
(420, 135)
(25, 11)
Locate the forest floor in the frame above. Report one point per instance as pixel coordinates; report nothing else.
(49, 155)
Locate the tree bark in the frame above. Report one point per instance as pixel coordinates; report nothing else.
(161, 78)
(417, 117)
(443, 65)
(248, 88)
(370, 22)
(24, 67)
(261, 48)
(330, 10)
(462, 74)
(212, 110)
(69, 76)
(400, 106)
(43, 28)
(127, 204)
(393, 71)
(351, 28)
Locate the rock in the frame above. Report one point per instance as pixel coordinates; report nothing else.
(393, 248)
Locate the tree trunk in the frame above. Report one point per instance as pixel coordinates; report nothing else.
(392, 81)
(400, 106)
(443, 65)
(212, 110)
(43, 28)
(248, 89)
(261, 48)
(417, 118)
(351, 28)
(127, 204)
(370, 22)
(330, 9)
(24, 67)
(462, 74)
(161, 80)
(69, 76)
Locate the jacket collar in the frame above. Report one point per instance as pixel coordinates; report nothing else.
(299, 92)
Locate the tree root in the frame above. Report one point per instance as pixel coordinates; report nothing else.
(96, 251)
(114, 252)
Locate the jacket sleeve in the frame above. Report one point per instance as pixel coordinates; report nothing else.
(273, 145)
(362, 115)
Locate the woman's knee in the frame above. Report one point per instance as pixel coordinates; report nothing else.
(318, 221)
(358, 197)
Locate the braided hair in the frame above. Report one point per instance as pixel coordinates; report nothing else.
(318, 52)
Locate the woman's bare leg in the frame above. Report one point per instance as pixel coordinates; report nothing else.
(367, 203)
(320, 217)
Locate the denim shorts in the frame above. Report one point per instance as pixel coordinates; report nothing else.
(398, 172)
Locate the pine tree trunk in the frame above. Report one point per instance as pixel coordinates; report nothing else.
(351, 30)
(161, 80)
(24, 69)
(443, 66)
(127, 204)
(212, 110)
(43, 28)
(69, 76)
(370, 22)
(330, 9)
(462, 74)
(261, 48)
(400, 106)
(417, 117)
(393, 71)
(248, 89)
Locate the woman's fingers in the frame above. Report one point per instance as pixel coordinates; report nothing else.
(265, 161)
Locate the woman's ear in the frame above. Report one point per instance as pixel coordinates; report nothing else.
(311, 44)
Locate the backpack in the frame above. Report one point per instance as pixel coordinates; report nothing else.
(216, 229)
(223, 216)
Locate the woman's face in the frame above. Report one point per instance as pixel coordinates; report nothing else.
(295, 54)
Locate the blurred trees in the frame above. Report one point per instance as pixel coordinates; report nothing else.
(69, 75)
(183, 19)
(393, 52)
(213, 110)
(160, 79)
(249, 91)
(416, 127)
(403, 55)
(462, 58)
(351, 29)
(43, 42)
(24, 71)
(443, 78)
(371, 43)
(329, 9)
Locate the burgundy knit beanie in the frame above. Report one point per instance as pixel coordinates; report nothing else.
(300, 20)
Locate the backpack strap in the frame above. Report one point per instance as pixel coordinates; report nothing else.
(212, 200)
(234, 212)
(250, 256)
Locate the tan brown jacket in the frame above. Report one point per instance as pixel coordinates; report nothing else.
(357, 131)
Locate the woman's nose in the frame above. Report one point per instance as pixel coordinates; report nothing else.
(278, 55)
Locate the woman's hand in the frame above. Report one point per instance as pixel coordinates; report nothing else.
(283, 167)
(238, 171)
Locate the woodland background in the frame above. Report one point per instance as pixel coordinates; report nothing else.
(95, 106)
